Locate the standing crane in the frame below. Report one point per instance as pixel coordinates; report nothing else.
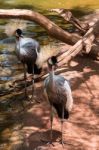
(27, 50)
(58, 93)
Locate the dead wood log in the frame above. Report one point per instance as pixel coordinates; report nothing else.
(68, 17)
(86, 44)
(94, 53)
(74, 50)
(92, 18)
(52, 29)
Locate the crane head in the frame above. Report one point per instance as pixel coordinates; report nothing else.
(18, 33)
(52, 62)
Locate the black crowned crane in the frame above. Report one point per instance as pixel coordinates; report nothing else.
(58, 92)
(27, 50)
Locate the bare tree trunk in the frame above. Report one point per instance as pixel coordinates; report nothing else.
(52, 29)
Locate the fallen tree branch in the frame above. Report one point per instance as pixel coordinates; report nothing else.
(52, 29)
(68, 17)
(74, 50)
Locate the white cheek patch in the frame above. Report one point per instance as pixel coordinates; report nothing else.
(50, 62)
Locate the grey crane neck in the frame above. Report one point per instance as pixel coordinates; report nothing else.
(18, 38)
(52, 77)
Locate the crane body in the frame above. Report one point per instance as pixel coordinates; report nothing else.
(58, 92)
(27, 50)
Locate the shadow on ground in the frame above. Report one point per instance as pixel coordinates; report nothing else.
(29, 129)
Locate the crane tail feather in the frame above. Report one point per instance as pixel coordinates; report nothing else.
(58, 108)
(37, 70)
(30, 68)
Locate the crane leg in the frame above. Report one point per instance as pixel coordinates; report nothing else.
(25, 80)
(51, 119)
(33, 82)
(62, 121)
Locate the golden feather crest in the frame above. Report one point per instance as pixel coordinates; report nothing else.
(46, 52)
(13, 25)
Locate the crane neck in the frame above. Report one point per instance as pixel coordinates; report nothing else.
(18, 44)
(19, 37)
(51, 76)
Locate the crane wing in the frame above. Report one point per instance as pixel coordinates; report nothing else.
(67, 91)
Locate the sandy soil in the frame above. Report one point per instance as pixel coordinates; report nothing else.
(81, 130)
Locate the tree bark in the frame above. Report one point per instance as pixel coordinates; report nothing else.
(86, 41)
(86, 44)
(68, 17)
(52, 29)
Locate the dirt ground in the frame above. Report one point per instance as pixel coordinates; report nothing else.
(81, 130)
